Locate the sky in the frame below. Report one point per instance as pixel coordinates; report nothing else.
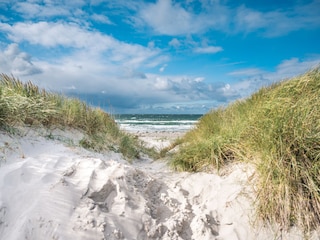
(164, 56)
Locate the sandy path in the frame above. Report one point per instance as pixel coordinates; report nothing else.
(49, 190)
(158, 139)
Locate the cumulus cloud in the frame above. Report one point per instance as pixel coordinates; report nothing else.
(160, 93)
(73, 36)
(16, 62)
(162, 84)
(186, 88)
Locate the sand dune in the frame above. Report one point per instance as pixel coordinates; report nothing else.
(52, 190)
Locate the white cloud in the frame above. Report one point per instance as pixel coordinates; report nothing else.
(16, 62)
(151, 44)
(199, 79)
(189, 44)
(271, 24)
(246, 72)
(72, 36)
(249, 20)
(175, 43)
(92, 63)
(162, 84)
(294, 66)
(50, 34)
(226, 87)
(253, 79)
(163, 68)
(101, 18)
(208, 49)
(31, 9)
(169, 18)
(88, 75)
(175, 18)
(46, 9)
(187, 88)
(277, 22)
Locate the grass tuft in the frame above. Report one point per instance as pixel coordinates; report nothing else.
(278, 130)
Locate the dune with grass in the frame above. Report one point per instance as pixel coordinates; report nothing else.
(247, 171)
(277, 130)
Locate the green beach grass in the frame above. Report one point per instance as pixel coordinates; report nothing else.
(277, 130)
(24, 104)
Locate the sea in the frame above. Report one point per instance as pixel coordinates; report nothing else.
(157, 122)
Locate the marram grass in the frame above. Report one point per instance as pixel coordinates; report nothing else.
(24, 104)
(278, 130)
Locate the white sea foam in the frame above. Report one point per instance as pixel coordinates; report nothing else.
(155, 128)
(157, 123)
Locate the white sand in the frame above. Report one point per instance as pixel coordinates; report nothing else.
(158, 139)
(49, 190)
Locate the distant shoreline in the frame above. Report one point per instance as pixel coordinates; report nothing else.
(157, 123)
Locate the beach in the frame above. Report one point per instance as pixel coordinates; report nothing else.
(157, 130)
(50, 188)
(158, 140)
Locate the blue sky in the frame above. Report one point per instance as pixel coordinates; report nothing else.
(164, 56)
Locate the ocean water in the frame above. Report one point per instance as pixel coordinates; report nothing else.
(157, 122)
